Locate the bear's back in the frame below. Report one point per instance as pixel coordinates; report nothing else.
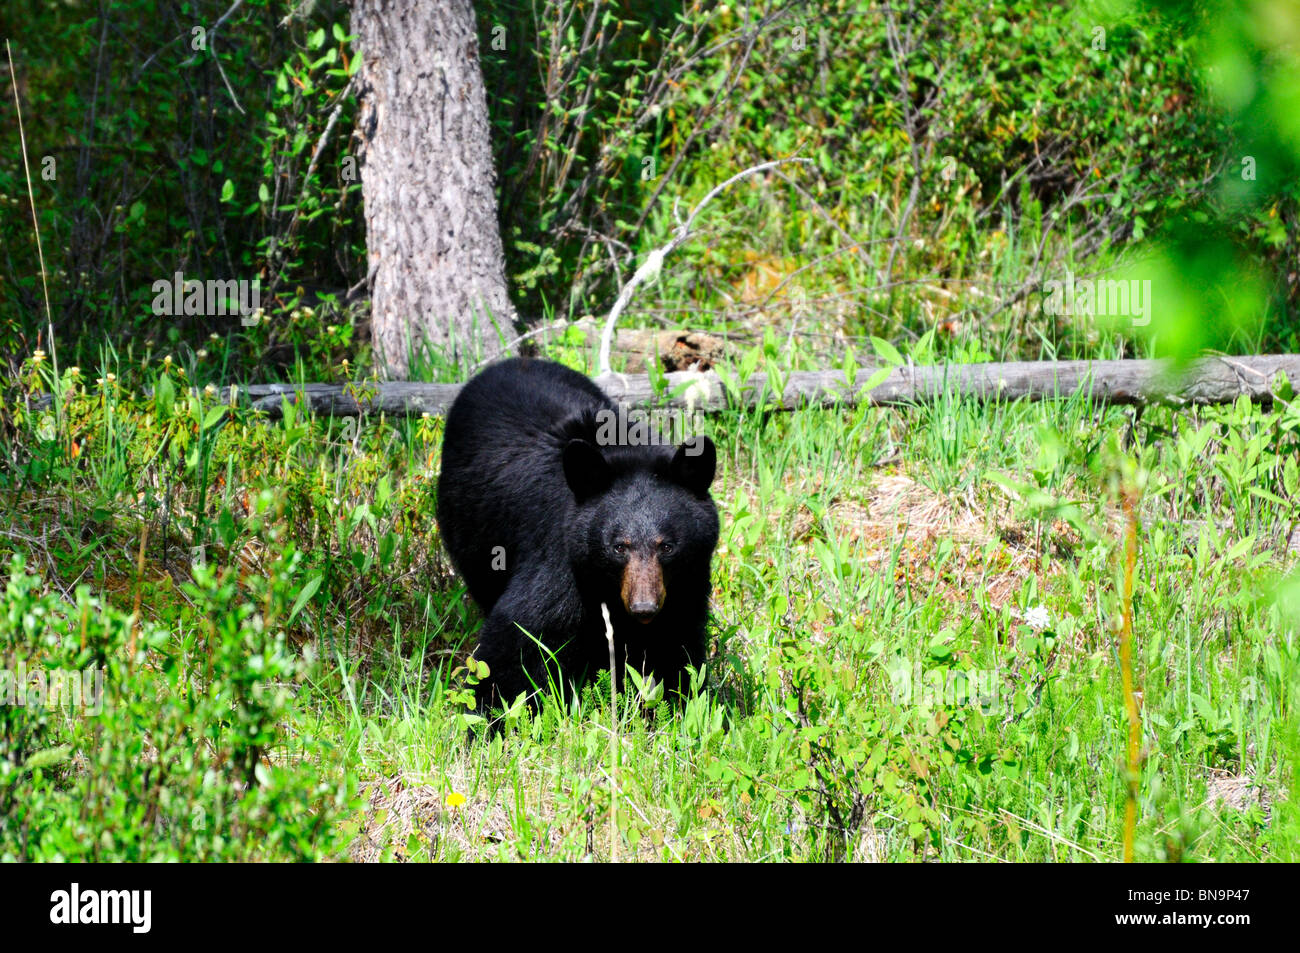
(502, 497)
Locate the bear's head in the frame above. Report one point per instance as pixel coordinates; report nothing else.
(644, 524)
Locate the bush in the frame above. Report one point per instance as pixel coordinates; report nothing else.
(182, 746)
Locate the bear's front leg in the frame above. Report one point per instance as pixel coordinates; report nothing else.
(518, 642)
(512, 662)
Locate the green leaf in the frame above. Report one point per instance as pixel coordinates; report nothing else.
(308, 591)
(1241, 548)
(43, 759)
(164, 397)
(1271, 497)
(227, 191)
(213, 415)
(887, 351)
(1280, 385)
(876, 379)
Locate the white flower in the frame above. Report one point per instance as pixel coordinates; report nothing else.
(1038, 618)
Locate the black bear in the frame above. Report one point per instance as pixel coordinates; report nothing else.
(547, 516)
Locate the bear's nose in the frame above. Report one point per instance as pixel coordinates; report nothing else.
(643, 612)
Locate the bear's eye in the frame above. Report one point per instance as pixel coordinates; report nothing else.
(620, 549)
(665, 548)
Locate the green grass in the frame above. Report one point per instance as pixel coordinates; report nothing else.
(1035, 777)
(913, 652)
(305, 697)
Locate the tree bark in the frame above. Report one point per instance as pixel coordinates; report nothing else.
(436, 267)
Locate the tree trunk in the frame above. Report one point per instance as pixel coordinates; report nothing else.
(436, 268)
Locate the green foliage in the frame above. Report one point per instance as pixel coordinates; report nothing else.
(189, 153)
(913, 655)
(177, 748)
(1237, 246)
(956, 171)
(1071, 133)
(935, 681)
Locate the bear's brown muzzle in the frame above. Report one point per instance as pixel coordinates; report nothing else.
(643, 587)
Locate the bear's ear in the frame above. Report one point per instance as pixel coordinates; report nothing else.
(694, 464)
(586, 470)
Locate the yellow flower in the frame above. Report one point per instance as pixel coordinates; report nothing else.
(455, 800)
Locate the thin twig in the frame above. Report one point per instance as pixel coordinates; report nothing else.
(1130, 494)
(40, 252)
(211, 36)
(654, 261)
(613, 723)
(311, 165)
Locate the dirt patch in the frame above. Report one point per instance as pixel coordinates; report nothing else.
(1224, 789)
(952, 542)
(439, 822)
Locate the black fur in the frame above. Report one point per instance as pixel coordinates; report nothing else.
(522, 471)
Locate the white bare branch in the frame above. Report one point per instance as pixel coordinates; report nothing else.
(655, 260)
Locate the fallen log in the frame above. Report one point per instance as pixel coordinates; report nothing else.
(638, 348)
(1210, 380)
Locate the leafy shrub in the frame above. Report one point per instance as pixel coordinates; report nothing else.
(184, 748)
